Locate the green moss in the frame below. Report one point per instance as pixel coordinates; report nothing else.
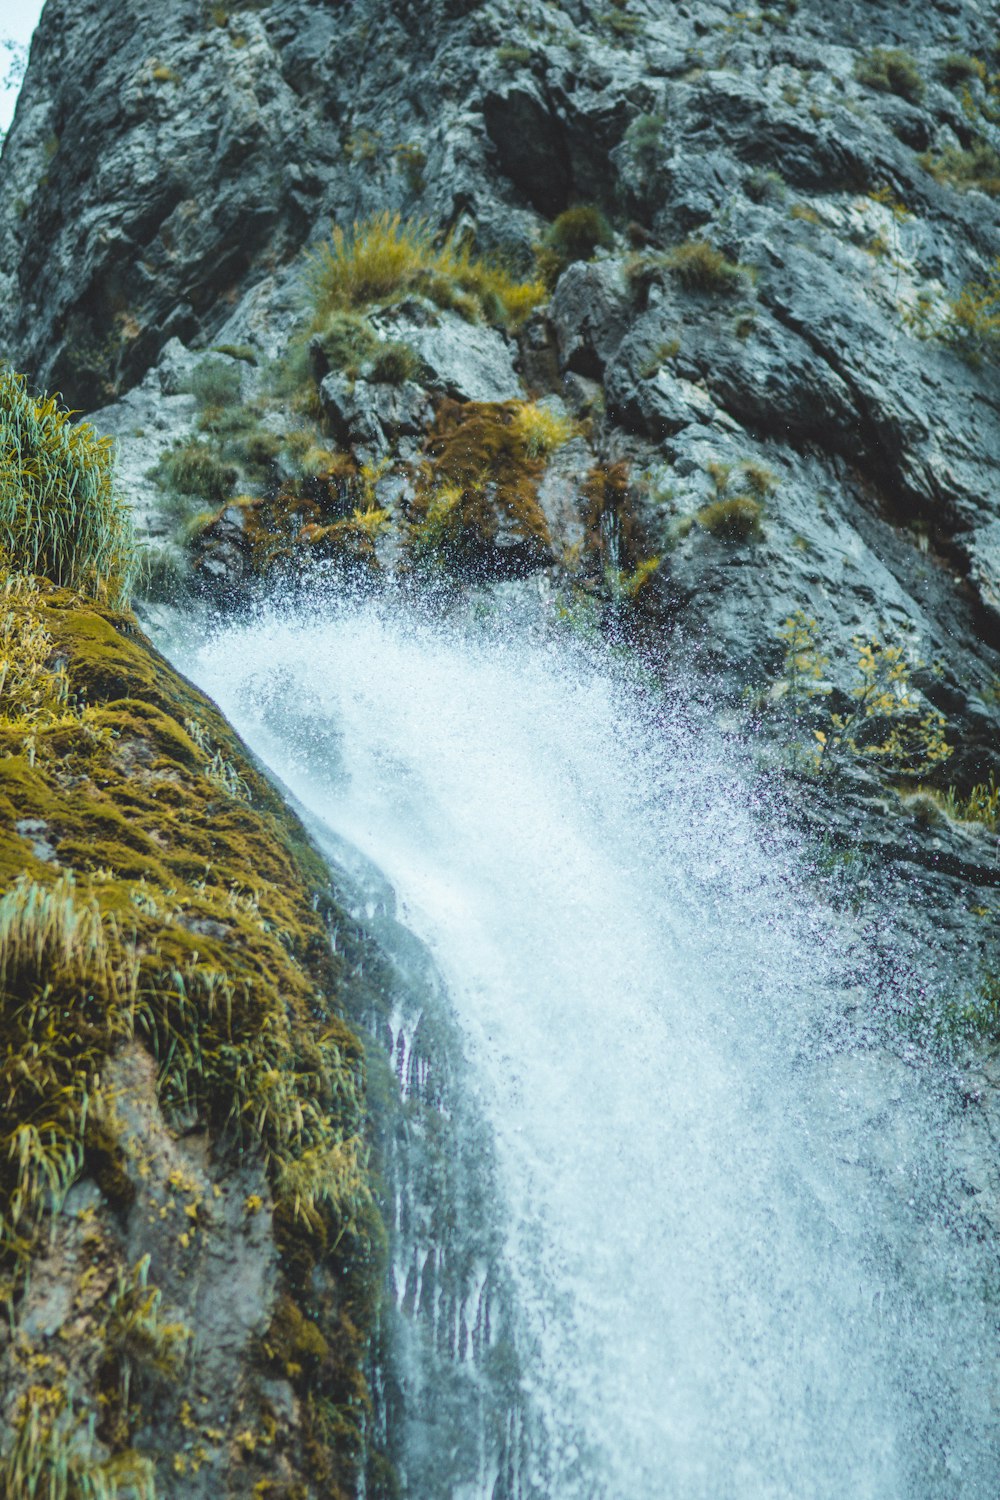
(194, 468)
(137, 929)
(701, 267)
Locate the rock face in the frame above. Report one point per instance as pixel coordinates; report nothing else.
(773, 404)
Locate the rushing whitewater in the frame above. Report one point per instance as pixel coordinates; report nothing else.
(730, 1235)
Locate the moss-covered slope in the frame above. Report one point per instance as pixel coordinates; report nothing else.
(190, 1248)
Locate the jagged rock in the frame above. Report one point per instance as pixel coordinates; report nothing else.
(370, 415)
(467, 361)
(591, 312)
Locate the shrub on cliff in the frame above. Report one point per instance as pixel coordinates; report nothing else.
(60, 516)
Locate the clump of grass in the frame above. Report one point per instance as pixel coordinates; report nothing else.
(701, 267)
(194, 468)
(60, 515)
(215, 382)
(959, 67)
(763, 186)
(395, 362)
(541, 429)
(740, 492)
(734, 519)
(891, 70)
(977, 166)
(575, 235)
(51, 1457)
(347, 341)
(980, 805)
(384, 259)
(245, 352)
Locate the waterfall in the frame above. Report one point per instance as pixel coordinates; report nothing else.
(730, 1223)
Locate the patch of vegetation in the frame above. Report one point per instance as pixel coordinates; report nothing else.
(700, 267)
(395, 362)
(215, 382)
(476, 510)
(348, 341)
(194, 468)
(60, 515)
(959, 67)
(891, 70)
(246, 352)
(384, 260)
(412, 159)
(883, 720)
(763, 186)
(735, 512)
(977, 166)
(972, 322)
(575, 235)
(981, 804)
(513, 56)
(644, 139)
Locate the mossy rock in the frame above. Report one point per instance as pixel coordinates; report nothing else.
(180, 1088)
(476, 511)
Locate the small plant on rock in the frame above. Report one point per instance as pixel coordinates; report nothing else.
(891, 70)
(575, 235)
(700, 267)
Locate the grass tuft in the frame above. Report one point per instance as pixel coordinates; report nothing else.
(385, 259)
(60, 515)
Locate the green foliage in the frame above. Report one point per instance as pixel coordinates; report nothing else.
(194, 468)
(884, 721)
(513, 56)
(574, 235)
(215, 382)
(978, 166)
(763, 186)
(60, 515)
(740, 491)
(246, 352)
(644, 139)
(980, 805)
(891, 70)
(478, 487)
(348, 341)
(136, 1333)
(384, 260)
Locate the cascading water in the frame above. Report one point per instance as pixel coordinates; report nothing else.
(731, 1234)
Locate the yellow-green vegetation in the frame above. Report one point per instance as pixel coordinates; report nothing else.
(701, 267)
(883, 719)
(385, 259)
(740, 490)
(981, 804)
(59, 514)
(972, 324)
(576, 234)
(891, 70)
(959, 67)
(476, 509)
(52, 1458)
(963, 167)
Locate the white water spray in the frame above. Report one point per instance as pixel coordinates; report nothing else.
(731, 1245)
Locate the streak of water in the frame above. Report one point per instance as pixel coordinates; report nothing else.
(735, 1253)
